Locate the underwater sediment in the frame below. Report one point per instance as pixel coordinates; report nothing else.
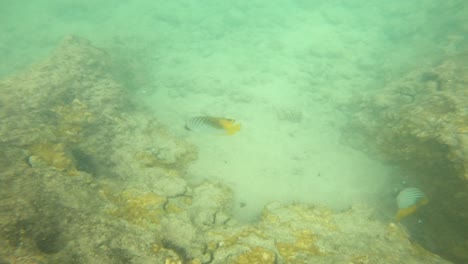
(87, 177)
(420, 123)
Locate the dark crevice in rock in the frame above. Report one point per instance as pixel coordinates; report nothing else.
(168, 199)
(121, 256)
(50, 242)
(84, 161)
(180, 251)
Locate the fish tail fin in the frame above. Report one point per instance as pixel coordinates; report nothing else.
(233, 129)
(230, 126)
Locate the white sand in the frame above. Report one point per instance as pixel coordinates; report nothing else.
(272, 159)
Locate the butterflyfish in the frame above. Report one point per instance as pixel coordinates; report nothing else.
(198, 123)
(408, 201)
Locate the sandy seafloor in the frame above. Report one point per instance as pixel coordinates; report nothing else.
(251, 61)
(270, 158)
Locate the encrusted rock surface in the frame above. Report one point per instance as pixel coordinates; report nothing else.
(420, 123)
(421, 119)
(86, 178)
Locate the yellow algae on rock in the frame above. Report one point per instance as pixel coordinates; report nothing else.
(53, 155)
(258, 255)
(143, 209)
(299, 250)
(238, 236)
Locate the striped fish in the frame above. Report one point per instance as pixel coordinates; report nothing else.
(200, 123)
(408, 201)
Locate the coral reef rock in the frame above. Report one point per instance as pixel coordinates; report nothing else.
(420, 120)
(420, 123)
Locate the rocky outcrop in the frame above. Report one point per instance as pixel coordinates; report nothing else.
(420, 120)
(420, 123)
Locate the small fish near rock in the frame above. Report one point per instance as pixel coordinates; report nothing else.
(408, 201)
(206, 123)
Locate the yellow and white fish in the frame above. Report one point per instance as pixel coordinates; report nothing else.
(408, 201)
(199, 123)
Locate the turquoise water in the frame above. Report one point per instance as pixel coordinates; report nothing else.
(347, 35)
(283, 69)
